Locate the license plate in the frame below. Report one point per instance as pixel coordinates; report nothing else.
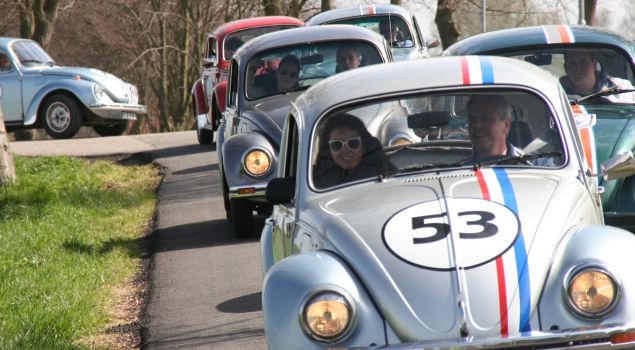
(129, 116)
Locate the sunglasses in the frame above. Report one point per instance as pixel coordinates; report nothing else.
(352, 144)
(289, 73)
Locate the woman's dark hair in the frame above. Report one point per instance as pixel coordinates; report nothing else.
(326, 173)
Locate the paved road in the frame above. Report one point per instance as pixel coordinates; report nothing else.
(205, 284)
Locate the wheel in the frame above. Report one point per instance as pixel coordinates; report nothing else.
(61, 117)
(204, 136)
(242, 218)
(216, 116)
(112, 129)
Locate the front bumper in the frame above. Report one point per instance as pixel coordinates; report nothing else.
(255, 192)
(602, 337)
(118, 111)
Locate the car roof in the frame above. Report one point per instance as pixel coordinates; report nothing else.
(526, 37)
(310, 34)
(4, 41)
(246, 23)
(357, 11)
(415, 75)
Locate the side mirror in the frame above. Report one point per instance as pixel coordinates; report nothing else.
(280, 190)
(433, 43)
(620, 166)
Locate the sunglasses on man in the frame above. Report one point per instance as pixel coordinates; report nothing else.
(352, 144)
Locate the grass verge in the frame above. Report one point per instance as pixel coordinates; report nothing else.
(70, 234)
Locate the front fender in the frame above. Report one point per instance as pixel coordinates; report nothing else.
(198, 96)
(293, 280)
(82, 90)
(233, 150)
(606, 246)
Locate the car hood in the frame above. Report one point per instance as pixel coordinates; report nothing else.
(430, 285)
(276, 107)
(405, 54)
(116, 87)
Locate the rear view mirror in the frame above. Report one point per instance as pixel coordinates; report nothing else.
(313, 59)
(539, 59)
(426, 120)
(280, 190)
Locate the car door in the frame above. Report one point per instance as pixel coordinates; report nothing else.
(11, 96)
(284, 215)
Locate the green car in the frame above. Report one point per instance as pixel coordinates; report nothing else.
(608, 101)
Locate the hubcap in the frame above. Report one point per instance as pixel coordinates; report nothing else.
(58, 117)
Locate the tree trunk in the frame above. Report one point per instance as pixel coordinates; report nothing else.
(448, 30)
(326, 5)
(272, 7)
(589, 11)
(44, 15)
(7, 169)
(396, 2)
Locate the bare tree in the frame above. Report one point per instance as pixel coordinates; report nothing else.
(326, 5)
(444, 18)
(589, 11)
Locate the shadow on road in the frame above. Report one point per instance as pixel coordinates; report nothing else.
(242, 304)
(196, 235)
(191, 338)
(182, 150)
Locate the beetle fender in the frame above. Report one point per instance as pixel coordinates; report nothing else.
(233, 150)
(294, 279)
(198, 97)
(603, 246)
(81, 90)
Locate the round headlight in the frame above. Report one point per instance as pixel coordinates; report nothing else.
(98, 90)
(592, 292)
(327, 316)
(257, 162)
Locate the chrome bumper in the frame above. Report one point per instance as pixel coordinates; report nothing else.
(602, 337)
(118, 111)
(252, 191)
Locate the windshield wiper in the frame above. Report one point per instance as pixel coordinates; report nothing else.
(30, 61)
(299, 88)
(419, 167)
(610, 91)
(525, 158)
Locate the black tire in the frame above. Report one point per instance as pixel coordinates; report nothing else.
(61, 117)
(112, 129)
(226, 203)
(204, 136)
(242, 218)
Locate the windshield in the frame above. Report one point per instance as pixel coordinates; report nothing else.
(29, 53)
(236, 39)
(392, 27)
(506, 128)
(584, 71)
(298, 67)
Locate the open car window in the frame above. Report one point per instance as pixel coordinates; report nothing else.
(392, 27)
(584, 71)
(298, 67)
(459, 129)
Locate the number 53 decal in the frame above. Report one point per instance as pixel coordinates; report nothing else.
(482, 231)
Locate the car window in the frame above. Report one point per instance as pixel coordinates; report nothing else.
(298, 67)
(392, 27)
(5, 62)
(236, 39)
(506, 128)
(599, 68)
(29, 53)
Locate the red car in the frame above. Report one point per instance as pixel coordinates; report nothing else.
(208, 92)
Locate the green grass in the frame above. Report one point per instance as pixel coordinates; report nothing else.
(69, 235)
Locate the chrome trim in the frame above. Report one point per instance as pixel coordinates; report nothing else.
(260, 190)
(244, 155)
(591, 266)
(316, 292)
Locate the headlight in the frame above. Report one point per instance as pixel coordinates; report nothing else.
(592, 292)
(399, 140)
(257, 162)
(99, 92)
(327, 317)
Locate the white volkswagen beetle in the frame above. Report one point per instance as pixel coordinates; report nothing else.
(485, 233)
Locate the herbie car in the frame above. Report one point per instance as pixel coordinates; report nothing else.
(39, 93)
(398, 25)
(208, 92)
(266, 74)
(480, 236)
(604, 59)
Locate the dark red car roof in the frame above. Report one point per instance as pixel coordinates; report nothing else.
(233, 26)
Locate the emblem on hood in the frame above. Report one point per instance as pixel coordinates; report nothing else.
(444, 234)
